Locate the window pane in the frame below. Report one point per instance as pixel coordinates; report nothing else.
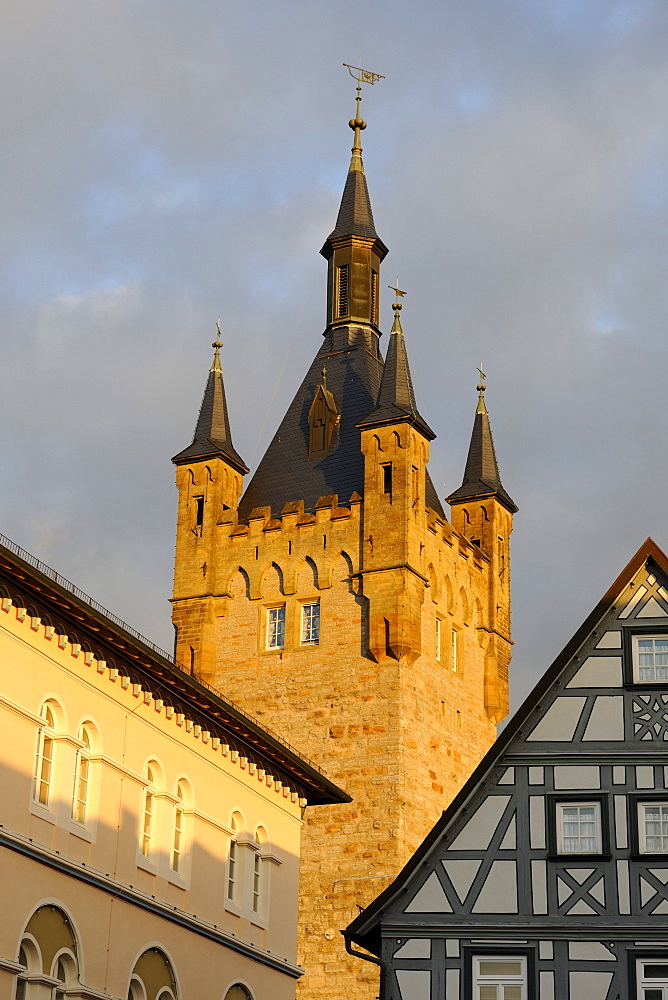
(487, 993)
(276, 628)
(311, 623)
(656, 972)
(498, 967)
(512, 993)
(652, 994)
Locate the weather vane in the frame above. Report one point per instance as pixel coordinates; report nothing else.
(483, 377)
(363, 75)
(397, 293)
(357, 123)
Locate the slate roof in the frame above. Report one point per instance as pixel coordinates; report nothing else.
(355, 217)
(365, 928)
(396, 399)
(481, 476)
(212, 433)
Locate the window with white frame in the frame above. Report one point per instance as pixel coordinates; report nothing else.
(653, 827)
(579, 828)
(499, 977)
(276, 627)
(45, 754)
(438, 638)
(147, 813)
(176, 859)
(311, 623)
(232, 862)
(82, 776)
(650, 658)
(652, 978)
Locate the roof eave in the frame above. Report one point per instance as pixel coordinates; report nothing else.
(186, 457)
(407, 418)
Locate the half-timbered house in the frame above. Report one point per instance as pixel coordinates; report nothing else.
(547, 878)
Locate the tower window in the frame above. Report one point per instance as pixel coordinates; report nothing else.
(342, 290)
(311, 624)
(455, 649)
(276, 627)
(199, 511)
(387, 478)
(438, 639)
(374, 296)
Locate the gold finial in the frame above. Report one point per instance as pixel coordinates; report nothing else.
(217, 344)
(324, 377)
(396, 305)
(481, 389)
(357, 123)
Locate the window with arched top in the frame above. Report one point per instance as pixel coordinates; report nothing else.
(258, 881)
(147, 818)
(152, 978)
(238, 992)
(65, 971)
(21, 984)
(176, 860)
(233, 861)
(80, 802)
(43, 777)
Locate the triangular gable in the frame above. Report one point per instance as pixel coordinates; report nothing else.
(473, 851)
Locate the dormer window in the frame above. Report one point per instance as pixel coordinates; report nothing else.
(323, 418)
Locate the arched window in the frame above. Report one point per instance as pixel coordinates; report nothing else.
(20, 992)
(65, 971)
(177, 832)
(82, 776)
(258, 880)
(147, 812)
(233, 862)
(136, 991)
(152, 978)
(45, 753)
(238, 992)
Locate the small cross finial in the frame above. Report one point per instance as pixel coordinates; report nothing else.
(481, 389)
(396, 305)
(217, 344)
(324, 376)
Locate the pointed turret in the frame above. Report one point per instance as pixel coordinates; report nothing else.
(396, 399)
(481, 476)
(353, 249)
(213, 437)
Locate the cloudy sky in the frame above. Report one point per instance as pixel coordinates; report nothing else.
(164, 162)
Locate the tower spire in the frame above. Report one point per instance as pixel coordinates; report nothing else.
(212, 433)
(481, 476)
(396, 398)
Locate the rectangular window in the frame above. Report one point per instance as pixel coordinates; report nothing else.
(311, 624)
(276, 627)
(653, 827)
(342, 291)
(438, 638)
(387, 478)
(455, 649)
(652, 978)
(374, 296)
(579, 828)
(501, 977)
(650, 658)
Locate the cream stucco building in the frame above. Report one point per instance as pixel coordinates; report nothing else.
(149, 829)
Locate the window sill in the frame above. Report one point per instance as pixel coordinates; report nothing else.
(258, 921)
(570, 859)
(82, 832)
(146, 865)
(649, 858)
(272, 652)
(231, 907)
(178, 880)
(37, 809)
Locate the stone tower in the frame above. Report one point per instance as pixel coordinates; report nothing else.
(335, 600)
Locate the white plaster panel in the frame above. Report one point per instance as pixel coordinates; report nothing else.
(598, 671)
(621, 832)
(647, 891)
(499, 893)
(638, 596)
(560, 721)
(581, 908)
(536, 775)
(619, 774)
(589, 985)
(610, 640)
(461, 874)
(662, 907)
(547, 986)
(577, 776)
(545, 950)
(598, 891)
(452, 948)
(623, 891)
(539, 888)
(660, 873)
(508, 777)
(479, 830)
(415, 948)
(645, 776)
(451, 984)
(414, 984)
(580, 874)
(430, 898)
(537, 820)
(651, 610)
(509, 842)
(606, 721)
(592, 951)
